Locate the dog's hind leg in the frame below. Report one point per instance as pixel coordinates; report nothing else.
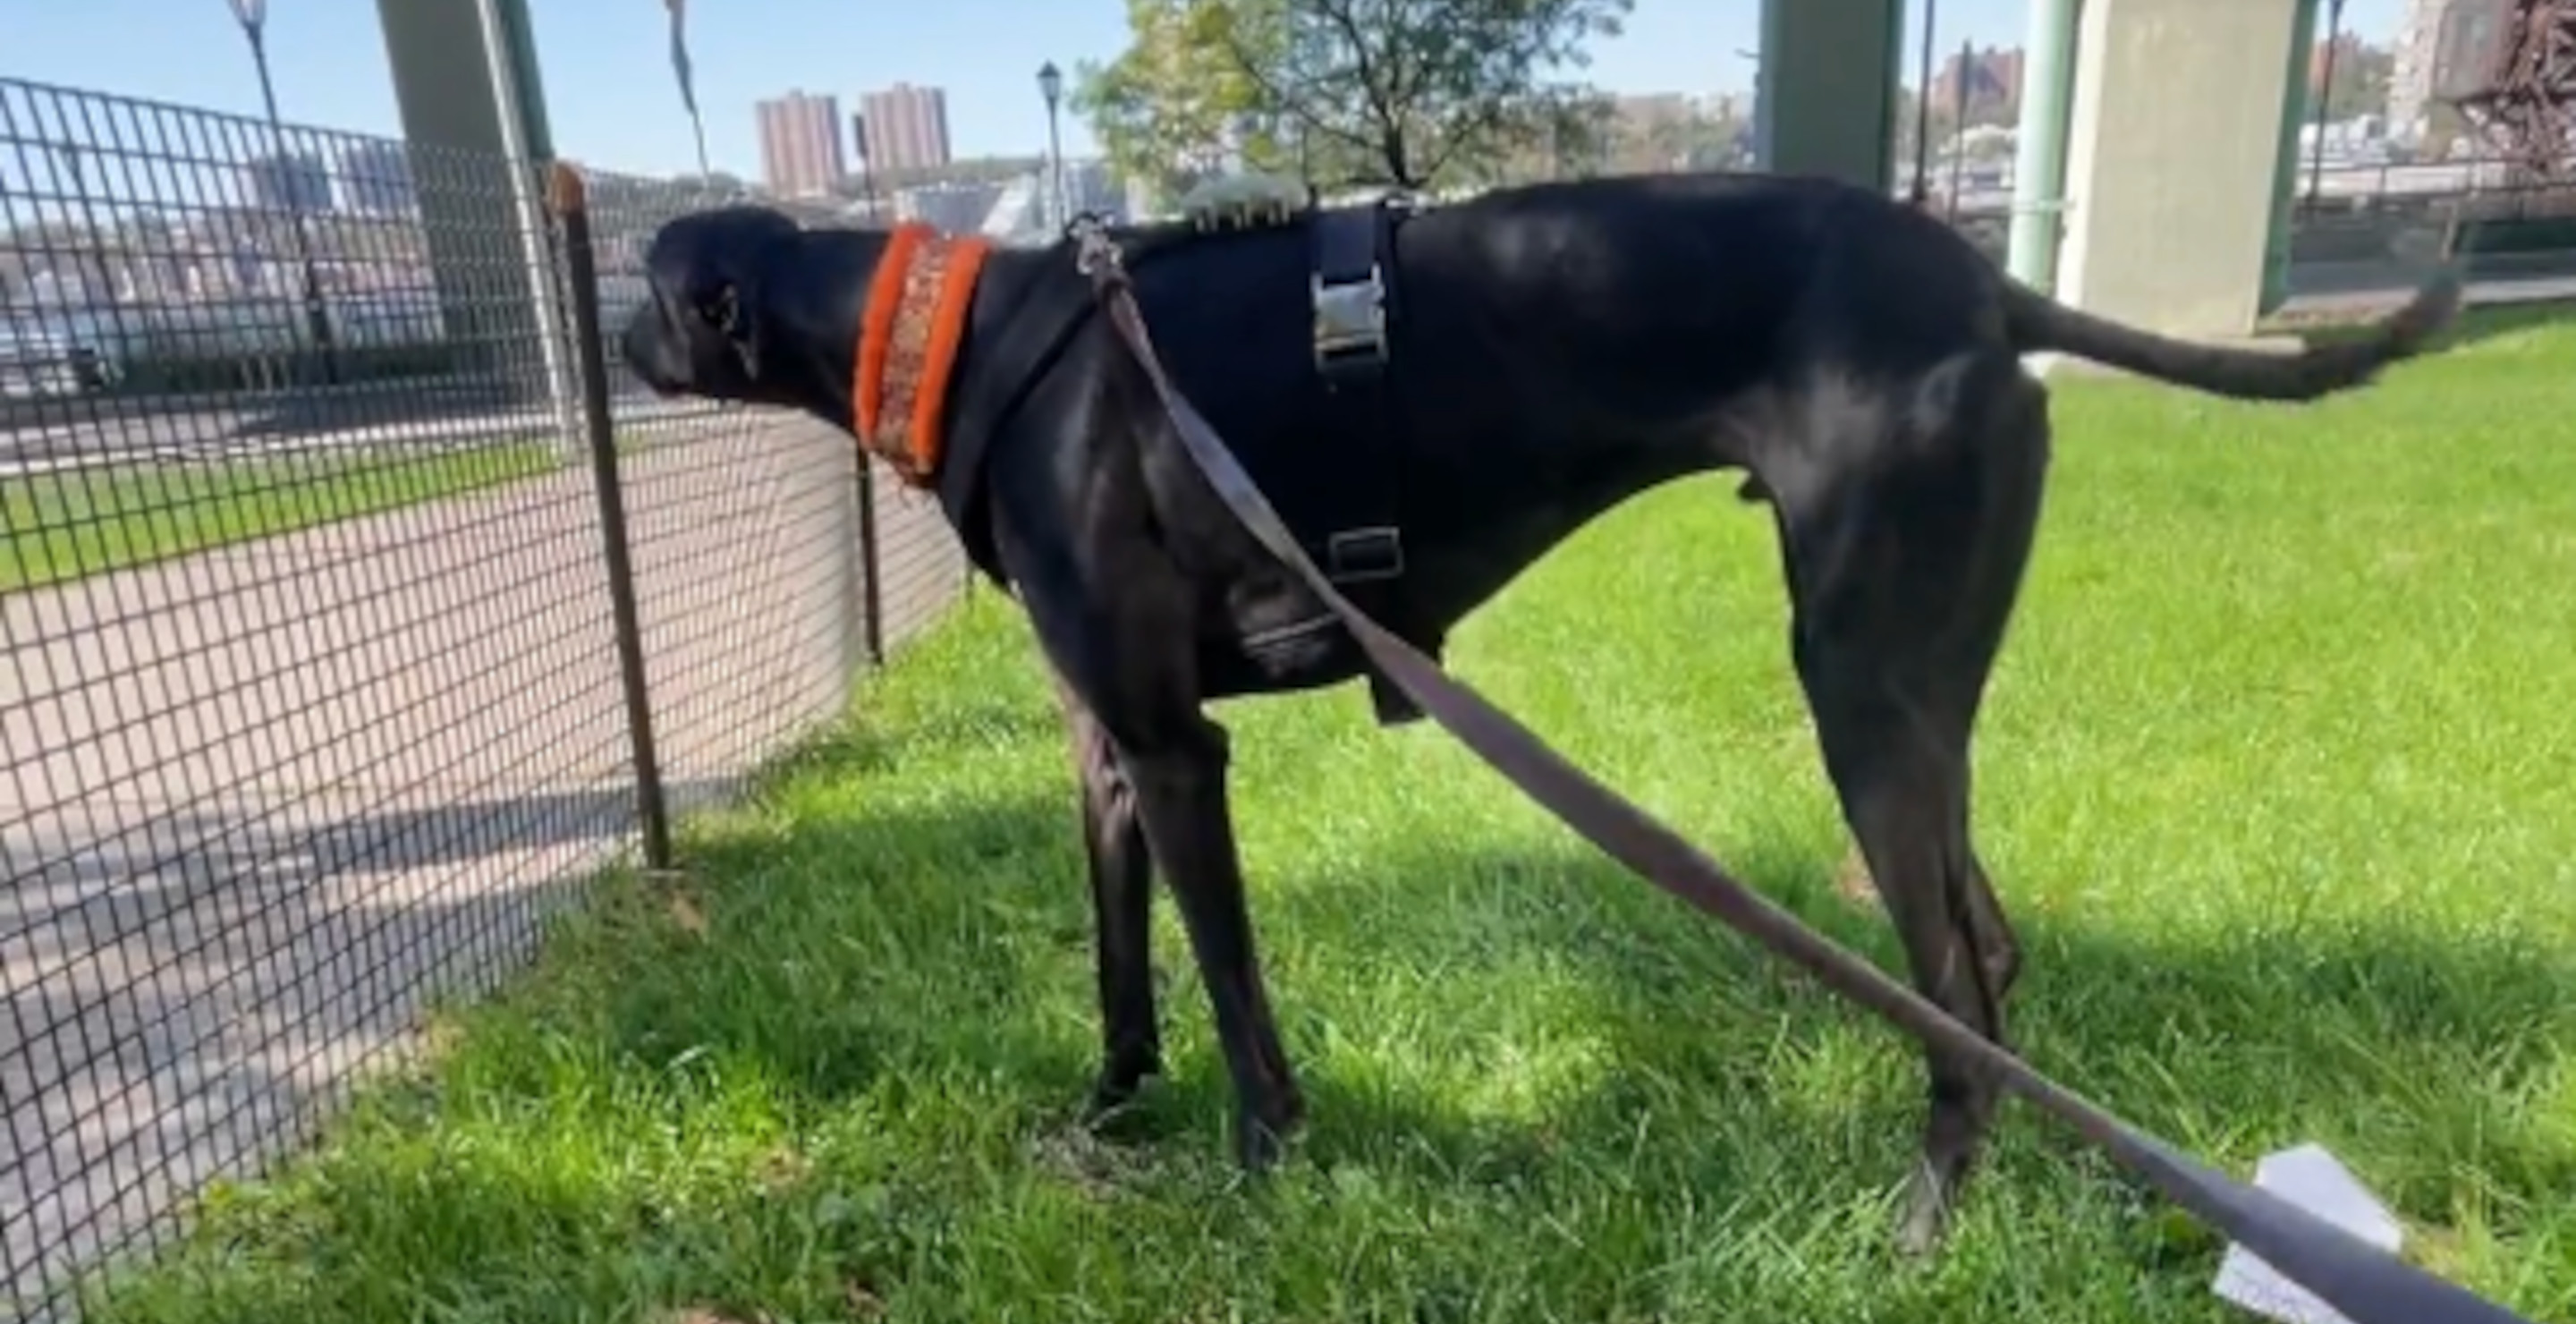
(1121, 873)
(1904, 562)
(2003, 964)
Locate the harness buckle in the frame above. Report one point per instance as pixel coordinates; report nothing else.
(1359, 556)
(1350, 319)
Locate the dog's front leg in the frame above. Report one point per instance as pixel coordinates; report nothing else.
(1118, 623)
(1180, 786)
(1113, 841)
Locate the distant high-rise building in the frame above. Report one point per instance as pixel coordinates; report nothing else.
(800, 145)
(2340, 58)
(906, 128)
(2410, 73)
(2444, 49)
(291, 181)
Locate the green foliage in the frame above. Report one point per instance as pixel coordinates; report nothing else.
(2362, 74)
(58, 527)
(1405, 93)
(1165, 110)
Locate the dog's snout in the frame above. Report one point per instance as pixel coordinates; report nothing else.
(641, 346)
(635, 342)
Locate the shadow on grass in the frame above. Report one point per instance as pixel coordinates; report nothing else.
(878, 748)
(840, 1074)
(2230, 1049)
(190, 987)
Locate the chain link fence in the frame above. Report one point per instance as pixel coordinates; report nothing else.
(323, 646)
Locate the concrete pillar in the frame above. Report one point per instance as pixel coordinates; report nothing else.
(2039, 154)
(2174, 160)
(2295, 111)
(465, 81)
(1826, 96)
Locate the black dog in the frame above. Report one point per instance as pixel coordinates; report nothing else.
(1555, 350)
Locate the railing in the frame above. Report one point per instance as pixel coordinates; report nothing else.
(2362, 227)
(316, 698)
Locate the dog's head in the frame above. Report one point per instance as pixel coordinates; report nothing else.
(705, 328)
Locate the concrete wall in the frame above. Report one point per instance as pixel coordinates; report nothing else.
(1827, 90)
(458, 104)
(2173, 160)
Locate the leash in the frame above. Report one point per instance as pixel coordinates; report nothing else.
(2368, 1285)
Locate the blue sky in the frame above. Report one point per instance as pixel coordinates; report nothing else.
(610, 93)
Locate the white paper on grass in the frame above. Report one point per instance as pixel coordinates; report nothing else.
(2311, 1178)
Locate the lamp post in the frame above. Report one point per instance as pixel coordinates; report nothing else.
(2325, 100)
(253, 17)
(1921, 193)
(867, 168)
(1761, 153)
(1051, 86)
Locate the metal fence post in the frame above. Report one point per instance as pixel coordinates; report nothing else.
(872, 562)
(571, 203)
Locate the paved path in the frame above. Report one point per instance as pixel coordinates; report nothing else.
(259, 804)
(95, 433)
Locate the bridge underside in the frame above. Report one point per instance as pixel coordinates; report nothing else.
(2178, 123)
(2178, 120)
(465, 81)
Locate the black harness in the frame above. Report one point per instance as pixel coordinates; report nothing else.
(1356, 303)
(1356, 514)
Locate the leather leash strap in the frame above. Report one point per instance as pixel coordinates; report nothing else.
(2366, 1284)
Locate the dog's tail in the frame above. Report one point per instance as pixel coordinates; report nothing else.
(2036, 322)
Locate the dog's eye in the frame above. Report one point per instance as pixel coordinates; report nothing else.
(722, 309)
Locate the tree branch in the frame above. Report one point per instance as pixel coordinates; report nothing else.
(1286, 102)
(1391, 136)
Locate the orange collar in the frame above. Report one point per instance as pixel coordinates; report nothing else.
(908, 340)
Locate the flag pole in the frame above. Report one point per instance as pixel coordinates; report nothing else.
(680, 68)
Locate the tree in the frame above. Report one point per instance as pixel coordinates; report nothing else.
(1166, 110)
(1415, 94)
(2362, 74)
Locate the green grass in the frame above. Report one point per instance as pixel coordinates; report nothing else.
(65, 525)
(2275, 779)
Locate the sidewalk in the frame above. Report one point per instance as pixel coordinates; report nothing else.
(225, 432)
(258, 806)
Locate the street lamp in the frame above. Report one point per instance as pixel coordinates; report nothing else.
(1761, 154)
(2325, 98)
(867, 168)
(1921, 193)
(253, 17)
(1051, 86)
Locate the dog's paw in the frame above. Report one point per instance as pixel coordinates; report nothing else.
(1923, 1214)
(1242, 201)
(1265, 1129)
(1260, 1147)
(1113, 1101)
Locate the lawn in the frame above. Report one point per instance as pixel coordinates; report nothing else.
(64, 525)
(2274, 777)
